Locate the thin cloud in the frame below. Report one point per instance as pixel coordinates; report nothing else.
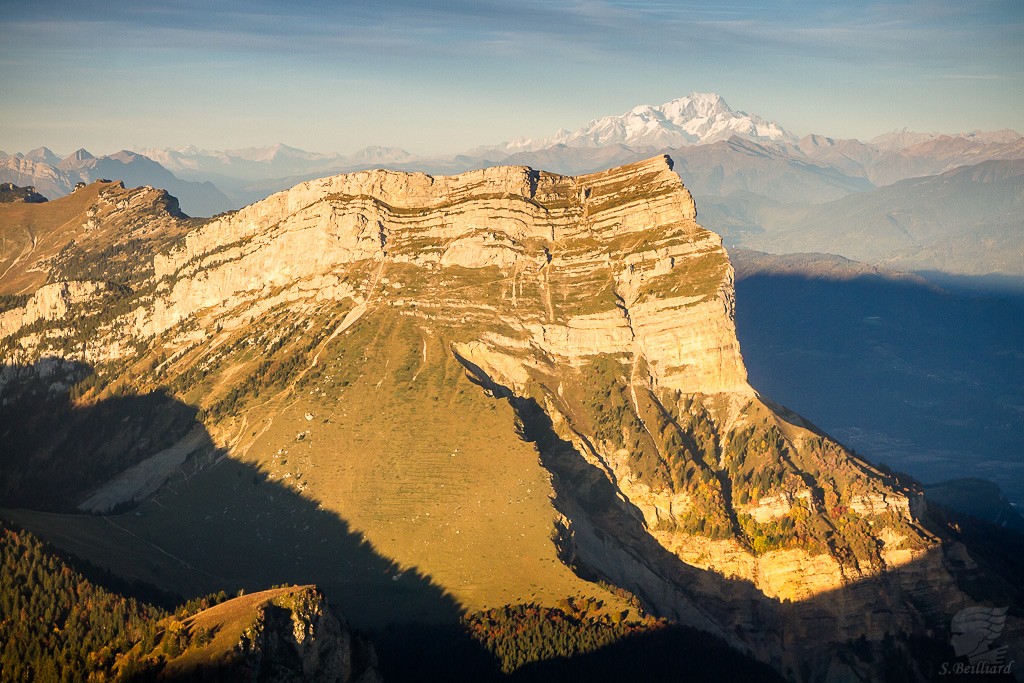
(475, 58)
(582, 30)
(980, 77)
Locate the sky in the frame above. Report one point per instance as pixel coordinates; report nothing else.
(444, 76)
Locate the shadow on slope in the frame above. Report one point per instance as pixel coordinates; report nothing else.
(891, 625)
(668, 654)
(53, 449)
(216, 524)
(930, 381)
(220, 524)
(990, 286)
(440, 653)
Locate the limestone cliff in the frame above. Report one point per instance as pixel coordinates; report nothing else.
(603, 264)
(601, 313)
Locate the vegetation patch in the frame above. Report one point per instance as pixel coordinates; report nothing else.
(12, 301)
(56, 625)
(520, 634)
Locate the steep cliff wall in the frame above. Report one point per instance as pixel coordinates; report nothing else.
(605, 263)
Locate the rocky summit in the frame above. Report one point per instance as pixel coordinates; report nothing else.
(431, 395)
(283, 634)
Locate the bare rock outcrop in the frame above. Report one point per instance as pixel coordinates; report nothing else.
(282, 634)
(295, 636)
(660, 284)
(51, 303)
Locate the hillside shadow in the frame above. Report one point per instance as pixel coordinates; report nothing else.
(53, 449)
(216, 523)
(666, 654)
(222, 524)
(603, 537)
(893, 625)
(976, 563)
(992, 285)
(929, 381)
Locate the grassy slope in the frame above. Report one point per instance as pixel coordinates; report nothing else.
(225, 623)
(411, 498)
(38, 231)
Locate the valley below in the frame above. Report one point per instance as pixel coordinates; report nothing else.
(923, 375)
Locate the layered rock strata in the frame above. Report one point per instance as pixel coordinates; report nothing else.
(642, 275)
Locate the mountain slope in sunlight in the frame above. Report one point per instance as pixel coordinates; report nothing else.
(431, 395)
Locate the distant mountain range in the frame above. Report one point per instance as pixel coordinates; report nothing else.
(259, 163)
(759, 185)
(968, 220)
(250, 174)
(54, 177)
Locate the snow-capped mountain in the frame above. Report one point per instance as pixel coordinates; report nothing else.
(698, 118)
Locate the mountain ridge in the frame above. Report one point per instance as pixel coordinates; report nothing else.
(60, 179)
(966, 220)
(359, 331)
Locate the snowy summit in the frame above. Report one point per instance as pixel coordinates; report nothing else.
(698, 118)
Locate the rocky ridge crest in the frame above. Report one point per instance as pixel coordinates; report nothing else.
(282, 634)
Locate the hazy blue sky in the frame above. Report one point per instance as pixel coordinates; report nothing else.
(444, 76)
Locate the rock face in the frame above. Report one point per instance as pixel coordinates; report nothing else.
(602, 312)
(596, 235)
(50, 303)
(283, 634)
(297, 637)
